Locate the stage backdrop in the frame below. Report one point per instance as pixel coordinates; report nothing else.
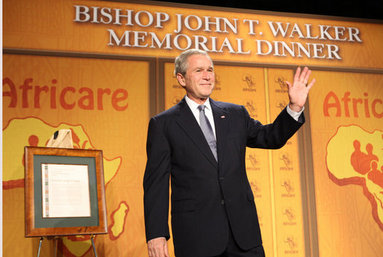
(103, 68)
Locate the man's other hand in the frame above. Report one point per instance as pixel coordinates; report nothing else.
(158, 247)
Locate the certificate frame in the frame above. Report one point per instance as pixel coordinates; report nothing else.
(37, 224)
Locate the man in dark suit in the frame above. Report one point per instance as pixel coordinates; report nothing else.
(199, 145)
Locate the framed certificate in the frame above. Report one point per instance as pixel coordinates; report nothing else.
(64, 192)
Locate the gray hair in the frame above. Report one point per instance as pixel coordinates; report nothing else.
(181, 64)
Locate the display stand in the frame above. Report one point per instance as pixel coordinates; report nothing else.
(64, 191)
(55, 247)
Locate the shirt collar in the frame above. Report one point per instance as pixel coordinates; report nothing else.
(193, 105)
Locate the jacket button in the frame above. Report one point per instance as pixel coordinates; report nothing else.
(222, 202)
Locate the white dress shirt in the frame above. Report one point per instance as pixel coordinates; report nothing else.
(208, 111)
(295, 115)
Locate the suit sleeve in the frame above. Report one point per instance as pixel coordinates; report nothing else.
(156, 182)
(274, 135)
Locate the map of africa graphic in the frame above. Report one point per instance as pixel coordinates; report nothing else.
(355, 156)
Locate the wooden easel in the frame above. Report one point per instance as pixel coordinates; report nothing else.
(62, 139)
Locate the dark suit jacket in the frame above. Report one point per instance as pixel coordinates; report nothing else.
(206, 196)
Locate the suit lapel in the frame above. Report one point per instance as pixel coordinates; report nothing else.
(221, 122)
(188, 123)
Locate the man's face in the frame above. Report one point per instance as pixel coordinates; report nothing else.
(199, 79)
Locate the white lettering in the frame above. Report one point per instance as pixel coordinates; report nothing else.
(188, 42)
(308, 32)
(280, 29)
(106, 13)
(251, 25)
(297, 30)
(149, 18)
(82, 13)
(158, 43)
(139, 36)
(114, 40)
(323, 32)
(296, 49)
(128, 17)
(260, 48)
(200, 42)
(339, 31)
(197, 20)
(161, 17)
(354, 32)
(209, 24)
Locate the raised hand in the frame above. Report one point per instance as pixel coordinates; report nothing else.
(299, 90)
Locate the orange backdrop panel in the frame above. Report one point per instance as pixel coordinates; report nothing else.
(349, 218)
(106, 105)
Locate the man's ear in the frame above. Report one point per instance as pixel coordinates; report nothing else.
(181, 79)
